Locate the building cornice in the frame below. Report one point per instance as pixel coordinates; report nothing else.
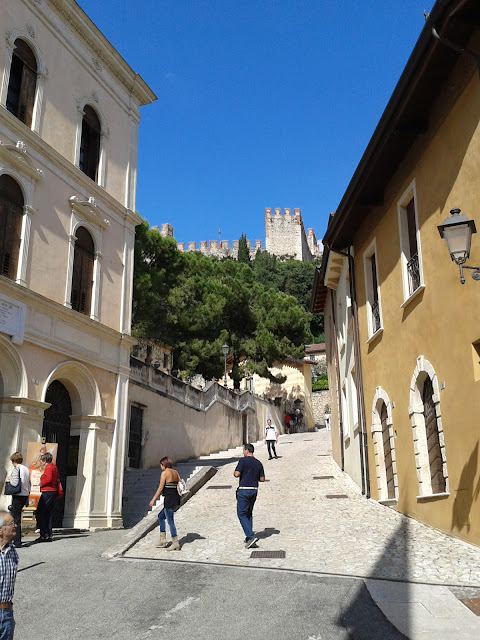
(69, 316)
(79, 182)
(104, 54)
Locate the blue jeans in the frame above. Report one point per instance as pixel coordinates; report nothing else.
(245, 501)
(7, 624)
(168, 513)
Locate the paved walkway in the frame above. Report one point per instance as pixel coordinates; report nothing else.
(348, 536)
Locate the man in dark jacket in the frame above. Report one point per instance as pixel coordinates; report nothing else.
(250, 472)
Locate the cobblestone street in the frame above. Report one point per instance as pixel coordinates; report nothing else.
(344, 536)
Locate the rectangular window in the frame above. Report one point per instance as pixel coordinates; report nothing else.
(372, 293)
(409, 242)
(135, 437)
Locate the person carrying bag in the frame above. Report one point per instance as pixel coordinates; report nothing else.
(19, 482)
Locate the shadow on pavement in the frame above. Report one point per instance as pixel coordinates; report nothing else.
(30, 566)
(266, 533)
(394, 564)
(191, 537)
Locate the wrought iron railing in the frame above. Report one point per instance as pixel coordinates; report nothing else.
(413, 270)
(375, 316)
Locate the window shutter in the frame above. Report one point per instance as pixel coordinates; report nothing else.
(82, 277)
(27, 96)
(76, 279)
(11, 215)
(86, 284)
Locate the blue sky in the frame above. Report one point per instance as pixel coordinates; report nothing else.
(261, 103)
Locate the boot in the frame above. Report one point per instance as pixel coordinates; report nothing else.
(162, 540)
(175, 545)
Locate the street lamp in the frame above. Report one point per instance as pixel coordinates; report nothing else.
(225, 349)
(457, 233)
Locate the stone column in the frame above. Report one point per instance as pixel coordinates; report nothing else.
(118, 452)
(21, 421)
(86, 493)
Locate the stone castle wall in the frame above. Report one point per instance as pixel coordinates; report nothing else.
(284, 236)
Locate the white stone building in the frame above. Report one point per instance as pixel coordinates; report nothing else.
(69, 113)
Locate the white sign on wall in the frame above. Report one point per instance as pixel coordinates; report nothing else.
(12, 318)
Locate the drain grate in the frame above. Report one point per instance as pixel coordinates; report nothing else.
(323, 477)
(337, 495)
(268, 554)
(220, 486)
(308, 440)
(322, 455)
(286, 442)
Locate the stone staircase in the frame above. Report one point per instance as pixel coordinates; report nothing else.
(139, 486)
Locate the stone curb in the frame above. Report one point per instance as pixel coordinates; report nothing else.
(150, 521)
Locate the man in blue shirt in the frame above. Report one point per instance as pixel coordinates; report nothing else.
(250, 472)
(8, 573)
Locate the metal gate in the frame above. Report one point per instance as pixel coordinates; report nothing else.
(56, 428)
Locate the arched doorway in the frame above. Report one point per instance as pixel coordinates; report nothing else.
(56, 428)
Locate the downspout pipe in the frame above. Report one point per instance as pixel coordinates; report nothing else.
(337, 368)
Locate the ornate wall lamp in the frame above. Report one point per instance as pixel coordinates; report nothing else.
(457, 232)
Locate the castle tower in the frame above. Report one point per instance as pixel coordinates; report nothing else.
(285, 235)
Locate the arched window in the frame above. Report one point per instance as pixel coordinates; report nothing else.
(90, 143)
(384, 447)
(22, 83)
(427, 431)
(433, 441)
(11, 213)
(82, 278)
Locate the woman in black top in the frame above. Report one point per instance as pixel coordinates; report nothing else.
(168, 487)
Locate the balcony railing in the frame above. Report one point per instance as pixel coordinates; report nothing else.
(375, 316)
(413, 270)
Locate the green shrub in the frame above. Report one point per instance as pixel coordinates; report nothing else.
(320, 383)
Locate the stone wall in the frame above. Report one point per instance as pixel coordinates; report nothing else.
(182, 421)
(319, 400)
(284, 236)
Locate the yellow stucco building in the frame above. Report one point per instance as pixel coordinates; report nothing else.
(403, 336)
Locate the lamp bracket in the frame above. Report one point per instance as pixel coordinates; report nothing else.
(475, 274)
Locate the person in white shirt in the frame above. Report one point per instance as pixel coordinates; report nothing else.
(20, 473)
(271, 437)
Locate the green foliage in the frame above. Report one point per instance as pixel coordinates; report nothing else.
(196, 304)
(320, 383)
(292, 277)
(243, 254)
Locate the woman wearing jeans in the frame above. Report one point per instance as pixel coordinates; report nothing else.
(169, 480)
(20, 474)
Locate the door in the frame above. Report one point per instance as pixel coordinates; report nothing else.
(135, 437)
(56, 428)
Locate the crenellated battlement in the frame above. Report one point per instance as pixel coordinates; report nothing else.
(284, 236)
(220, 248)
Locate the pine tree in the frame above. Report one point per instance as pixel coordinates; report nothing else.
(243, 250)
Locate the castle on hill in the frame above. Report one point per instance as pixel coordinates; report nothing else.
(284, 236)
